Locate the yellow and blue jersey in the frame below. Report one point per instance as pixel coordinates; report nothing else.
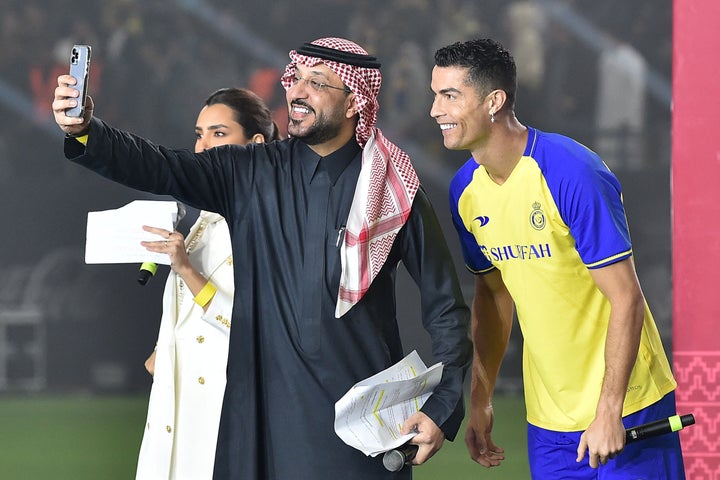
(559, 214)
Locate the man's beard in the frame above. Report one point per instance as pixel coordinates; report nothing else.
(322, 130)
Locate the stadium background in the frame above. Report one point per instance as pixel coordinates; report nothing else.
(73, 337)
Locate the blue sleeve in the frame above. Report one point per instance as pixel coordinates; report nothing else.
(589, 199)
(475, 260)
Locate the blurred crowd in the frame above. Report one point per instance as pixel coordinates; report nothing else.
(154, 61)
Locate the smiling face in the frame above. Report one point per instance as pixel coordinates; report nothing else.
(322, 118)
(216, 125)
(459, 109)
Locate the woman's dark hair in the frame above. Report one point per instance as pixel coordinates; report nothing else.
(250, 111)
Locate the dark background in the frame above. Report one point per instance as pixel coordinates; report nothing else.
(67, 327)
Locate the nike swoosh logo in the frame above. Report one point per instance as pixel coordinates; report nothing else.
(484, 220)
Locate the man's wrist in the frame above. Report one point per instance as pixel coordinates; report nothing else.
(79, 134)
(80, 137)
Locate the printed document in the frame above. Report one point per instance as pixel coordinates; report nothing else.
(369, 416)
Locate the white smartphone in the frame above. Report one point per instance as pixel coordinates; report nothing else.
(80, 69)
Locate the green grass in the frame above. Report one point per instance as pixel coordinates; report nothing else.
(73, 438)
(453, 462)
(97, 438)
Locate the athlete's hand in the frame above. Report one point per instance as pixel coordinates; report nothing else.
(478, 438)
(604, 439)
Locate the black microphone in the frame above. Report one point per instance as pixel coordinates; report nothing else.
(148, 269)
(659, 427)
(395, 460)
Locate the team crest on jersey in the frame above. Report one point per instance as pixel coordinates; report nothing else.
(537, 217)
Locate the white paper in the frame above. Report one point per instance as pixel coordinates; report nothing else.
(114, 236)
(369, 416)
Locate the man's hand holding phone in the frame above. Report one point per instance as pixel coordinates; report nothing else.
(67, 97)
(80, 69)
(72, 107)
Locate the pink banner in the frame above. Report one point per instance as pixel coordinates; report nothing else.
(696, 230)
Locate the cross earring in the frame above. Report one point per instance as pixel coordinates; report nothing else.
(492, 117)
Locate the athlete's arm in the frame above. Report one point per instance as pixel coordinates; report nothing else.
(605, 437)
(492, 316)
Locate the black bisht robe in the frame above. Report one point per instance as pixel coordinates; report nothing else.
(290, 359)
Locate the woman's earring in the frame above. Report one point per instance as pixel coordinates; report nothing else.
(492, 117)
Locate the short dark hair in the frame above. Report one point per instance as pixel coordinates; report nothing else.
(250, 111)
(490, 66)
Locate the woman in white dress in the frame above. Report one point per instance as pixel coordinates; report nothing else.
(188, 364)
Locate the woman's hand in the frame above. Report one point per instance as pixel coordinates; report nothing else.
(173, 246)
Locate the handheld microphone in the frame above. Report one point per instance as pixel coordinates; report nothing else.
(148, 269)
(394, 460)
(659, 427)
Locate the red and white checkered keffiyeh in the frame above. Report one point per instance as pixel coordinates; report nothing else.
(385, 188)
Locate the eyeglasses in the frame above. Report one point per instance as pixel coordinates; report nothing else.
(316, 84)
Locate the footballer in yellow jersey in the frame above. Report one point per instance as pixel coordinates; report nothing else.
(559, 214)
(542, 225)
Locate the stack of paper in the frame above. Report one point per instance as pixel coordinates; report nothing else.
(370, 415)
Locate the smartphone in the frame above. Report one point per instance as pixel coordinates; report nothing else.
(80, 69)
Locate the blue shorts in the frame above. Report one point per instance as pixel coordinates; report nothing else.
(552, 454)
